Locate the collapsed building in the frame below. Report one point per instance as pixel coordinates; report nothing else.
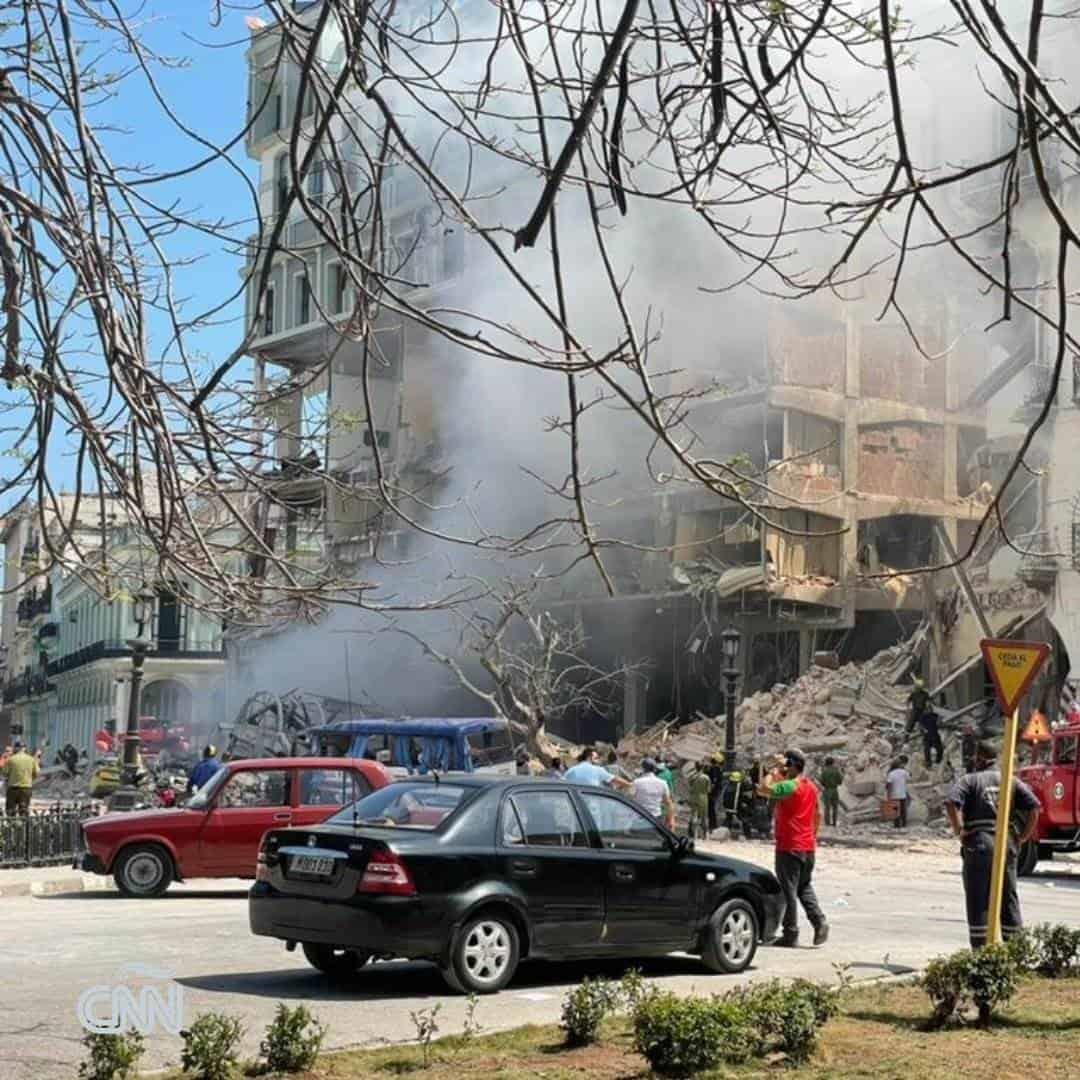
(877, 457)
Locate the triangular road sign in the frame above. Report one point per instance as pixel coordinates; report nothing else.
(1037, 730)
(1013, 666)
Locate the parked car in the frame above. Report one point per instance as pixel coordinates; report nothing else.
(217, 832)
(478, 872)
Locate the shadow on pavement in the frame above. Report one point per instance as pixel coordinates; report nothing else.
(112, 894)
(417, 979)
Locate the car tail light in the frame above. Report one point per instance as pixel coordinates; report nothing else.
(386, 873)
(262, 871)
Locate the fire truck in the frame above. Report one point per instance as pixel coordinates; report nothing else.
(1049, 767)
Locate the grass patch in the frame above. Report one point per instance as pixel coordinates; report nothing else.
(880, 1034)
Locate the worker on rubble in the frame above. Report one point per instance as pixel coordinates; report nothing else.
(202, 772)
(831, 778)
(972, 808)
(927, 719)
(798, 822)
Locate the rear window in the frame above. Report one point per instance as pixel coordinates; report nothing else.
(491, 747)
(405, 806)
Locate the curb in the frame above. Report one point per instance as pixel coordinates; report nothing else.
(52, 886)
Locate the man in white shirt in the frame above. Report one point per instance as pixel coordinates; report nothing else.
(654, 795)
(896, 782)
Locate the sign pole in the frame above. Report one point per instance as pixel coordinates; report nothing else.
(1013, 666)
(1001, 830)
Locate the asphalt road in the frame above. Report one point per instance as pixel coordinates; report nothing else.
(889, 911)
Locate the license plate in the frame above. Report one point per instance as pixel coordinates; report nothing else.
(312, 864)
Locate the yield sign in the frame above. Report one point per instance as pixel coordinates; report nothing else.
(1013, 666)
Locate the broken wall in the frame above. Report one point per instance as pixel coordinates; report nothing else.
(805, 556)
(891, 367)
(902, 460)
(804, 352)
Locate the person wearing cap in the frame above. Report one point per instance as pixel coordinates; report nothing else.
(797, 823)
(202, 772)
(972, 808)
(20, 771)
(653, 794)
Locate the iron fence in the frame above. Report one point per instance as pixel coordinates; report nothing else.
(43, 837)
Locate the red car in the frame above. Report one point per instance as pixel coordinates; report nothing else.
(217, 832)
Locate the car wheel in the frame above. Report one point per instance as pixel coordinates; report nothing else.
(731, 938)
(485, 955)
(145, 871)
(335, 962)
(1029, 857)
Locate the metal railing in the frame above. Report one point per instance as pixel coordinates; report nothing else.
(42, 837)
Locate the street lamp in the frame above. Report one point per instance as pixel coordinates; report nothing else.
(142, 607)
(730, 640)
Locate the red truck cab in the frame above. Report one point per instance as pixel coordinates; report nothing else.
(217, 832)
(1049, 768)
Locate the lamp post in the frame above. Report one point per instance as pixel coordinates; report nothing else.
(730, 640)
(142, 606)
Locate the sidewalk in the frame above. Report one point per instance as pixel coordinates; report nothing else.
(47, 880)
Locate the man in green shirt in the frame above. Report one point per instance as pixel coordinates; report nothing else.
(20, 772)
(700, 787)
(667, 775)
(831, 778)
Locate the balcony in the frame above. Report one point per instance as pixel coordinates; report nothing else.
(27, 685)
(179, 649)
(1038, 568)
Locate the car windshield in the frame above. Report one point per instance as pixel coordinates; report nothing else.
(201, 799)
(404, 806)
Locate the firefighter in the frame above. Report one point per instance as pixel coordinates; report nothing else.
(972, 808)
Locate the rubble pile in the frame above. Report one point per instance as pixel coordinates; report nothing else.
(856, 713)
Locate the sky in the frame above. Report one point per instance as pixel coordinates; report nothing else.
(207, 89)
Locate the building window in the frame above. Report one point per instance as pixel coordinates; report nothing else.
(303, 299)
(381, 437)
(452, 253)
(316, 181)
(268, 312)
(337, 284)
(281, 181)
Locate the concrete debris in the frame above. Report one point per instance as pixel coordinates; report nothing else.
(856, 713)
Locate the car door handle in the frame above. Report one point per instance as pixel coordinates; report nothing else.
(523, 868)
(283, 817)
(622, 873)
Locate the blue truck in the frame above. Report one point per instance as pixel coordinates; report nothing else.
(410, 745)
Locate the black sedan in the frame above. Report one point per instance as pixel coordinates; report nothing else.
(476, 873)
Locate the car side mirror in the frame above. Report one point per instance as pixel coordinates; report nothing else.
(683, 846)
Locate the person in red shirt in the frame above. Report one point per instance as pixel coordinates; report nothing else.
(797, 822)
